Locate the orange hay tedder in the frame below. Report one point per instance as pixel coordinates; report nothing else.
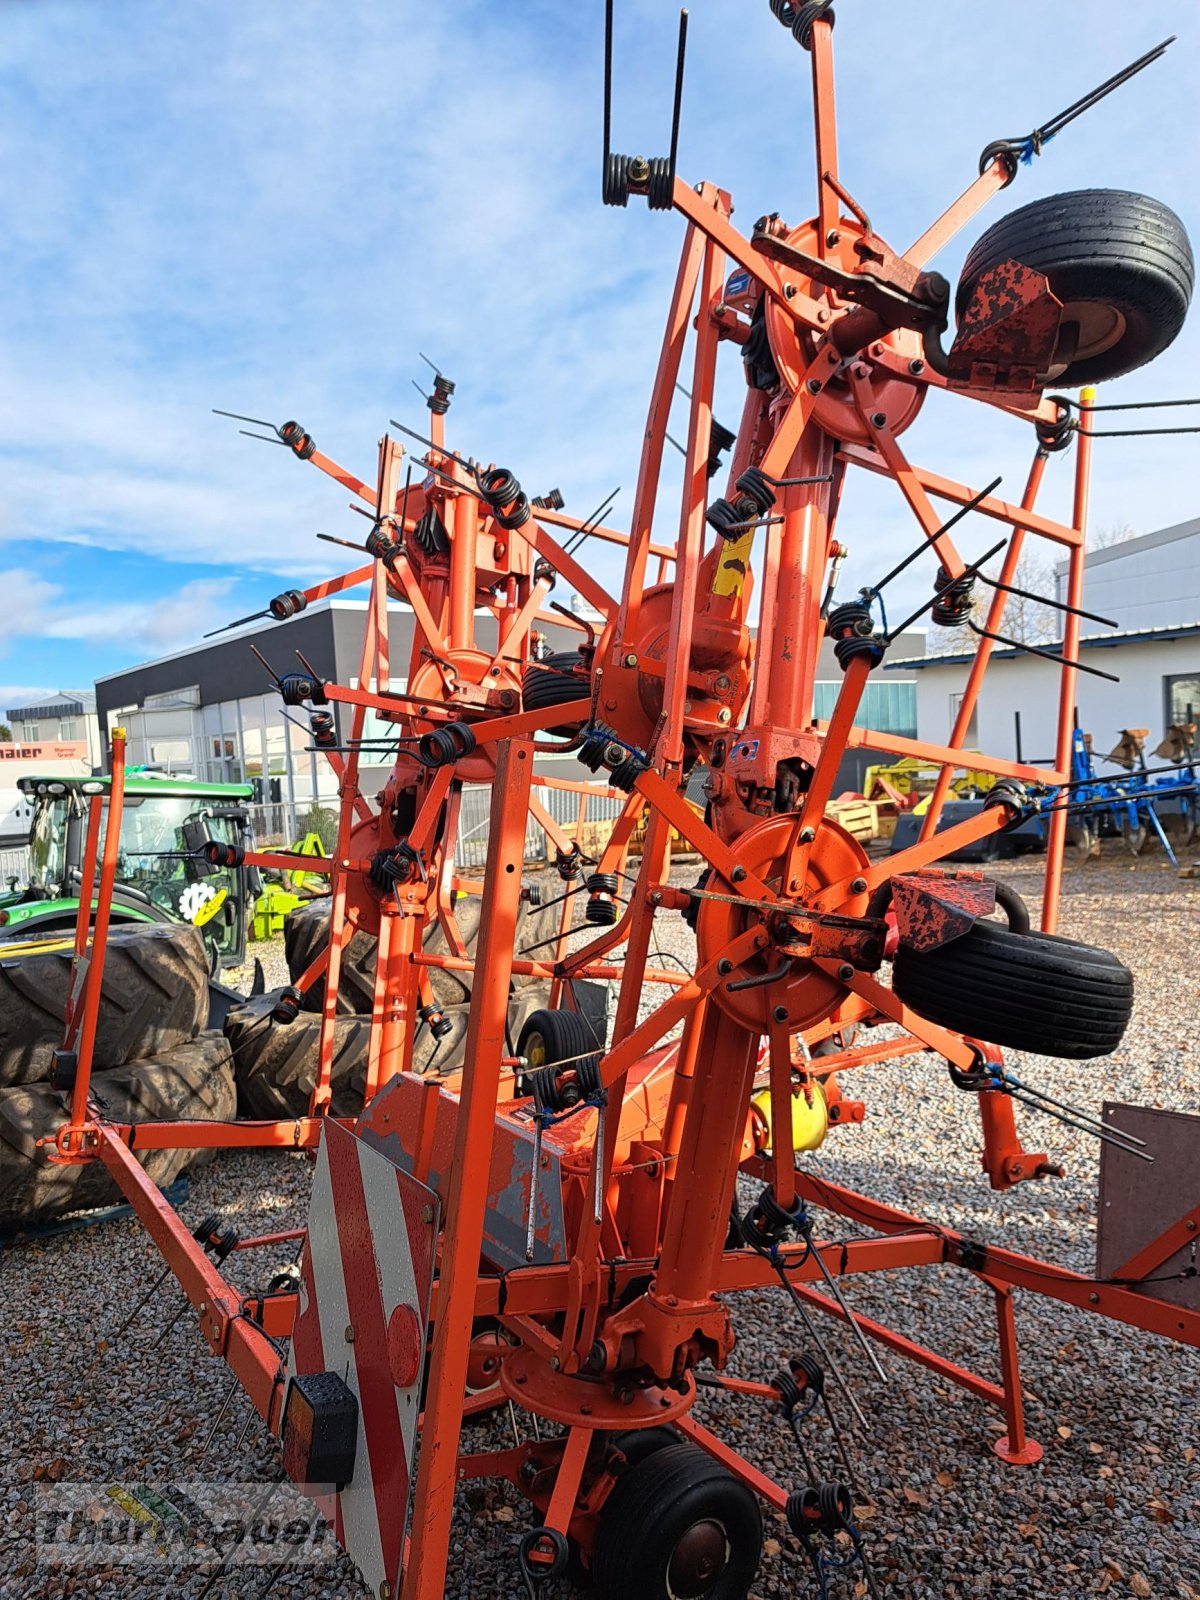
(556, 1223)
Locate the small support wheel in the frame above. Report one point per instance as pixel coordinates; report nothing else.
(677, 1526)
(549, 1037)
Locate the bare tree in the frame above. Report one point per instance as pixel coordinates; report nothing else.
(1112, 533)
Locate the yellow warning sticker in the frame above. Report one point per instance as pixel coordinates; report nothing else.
(733, 567)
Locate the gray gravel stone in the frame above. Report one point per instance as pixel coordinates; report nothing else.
(1112, 1507)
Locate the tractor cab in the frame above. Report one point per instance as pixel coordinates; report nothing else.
(160, 875)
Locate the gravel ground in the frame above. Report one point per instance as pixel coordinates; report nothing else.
(1112, 1508)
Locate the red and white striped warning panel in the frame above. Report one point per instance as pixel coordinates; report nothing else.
(365, 1282)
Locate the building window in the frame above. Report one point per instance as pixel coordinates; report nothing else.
(27, 732)
(1182, 698)
(885, 707)
(171, 754)
(972, 739)
(68, 730)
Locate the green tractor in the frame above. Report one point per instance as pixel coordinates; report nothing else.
(159, 878)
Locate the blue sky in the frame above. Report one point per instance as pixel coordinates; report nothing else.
(273, 208)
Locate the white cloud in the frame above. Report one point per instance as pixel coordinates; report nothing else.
(36, 608)
(327, 189)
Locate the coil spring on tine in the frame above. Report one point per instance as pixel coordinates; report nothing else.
(297, 687)
(756, 486)
(852, 631)
(805, 16)
(614, 188)
(224, 1244)
(321, 726)
(783, 11)
(503, 493)
(439, 400)
(207, 1229)
(1010, 792)
(626, 773)
(566, 863)
(294, 436)
(726, 519)
(660, 189)
(381, 545)
(955, 597)
(440, 746)
(811, 1370)
(436, 1020)
(791, 1395)
(1056, 435)
(820, 1508)
(288, 604)
(601, 908)
(551, 1092)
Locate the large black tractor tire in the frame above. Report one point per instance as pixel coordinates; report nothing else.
(1120, 263)
(154, 997)
(1027, 991)
(276, 1063)
(678, 1523)
(193, 1082)
(306, 934)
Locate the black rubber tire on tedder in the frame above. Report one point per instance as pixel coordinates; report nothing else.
(554, 682)
(549, 1037)
(154, 997)
(677, 1523)
(1028, 991)
(1122, 261)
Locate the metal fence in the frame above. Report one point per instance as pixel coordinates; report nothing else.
(602, 808)
(275, 823)
(283, 823)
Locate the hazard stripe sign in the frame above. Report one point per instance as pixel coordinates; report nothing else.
(365, 1282)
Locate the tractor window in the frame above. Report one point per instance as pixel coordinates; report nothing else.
(48, 845)
(154, 860)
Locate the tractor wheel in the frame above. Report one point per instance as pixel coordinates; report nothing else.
(276, 1063)
(550, 1037)
(306, 934)
(1120, 263)
(677, 1526)
(1135, 835)
(154, 997)
(193, 1081)
(1028, 991)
